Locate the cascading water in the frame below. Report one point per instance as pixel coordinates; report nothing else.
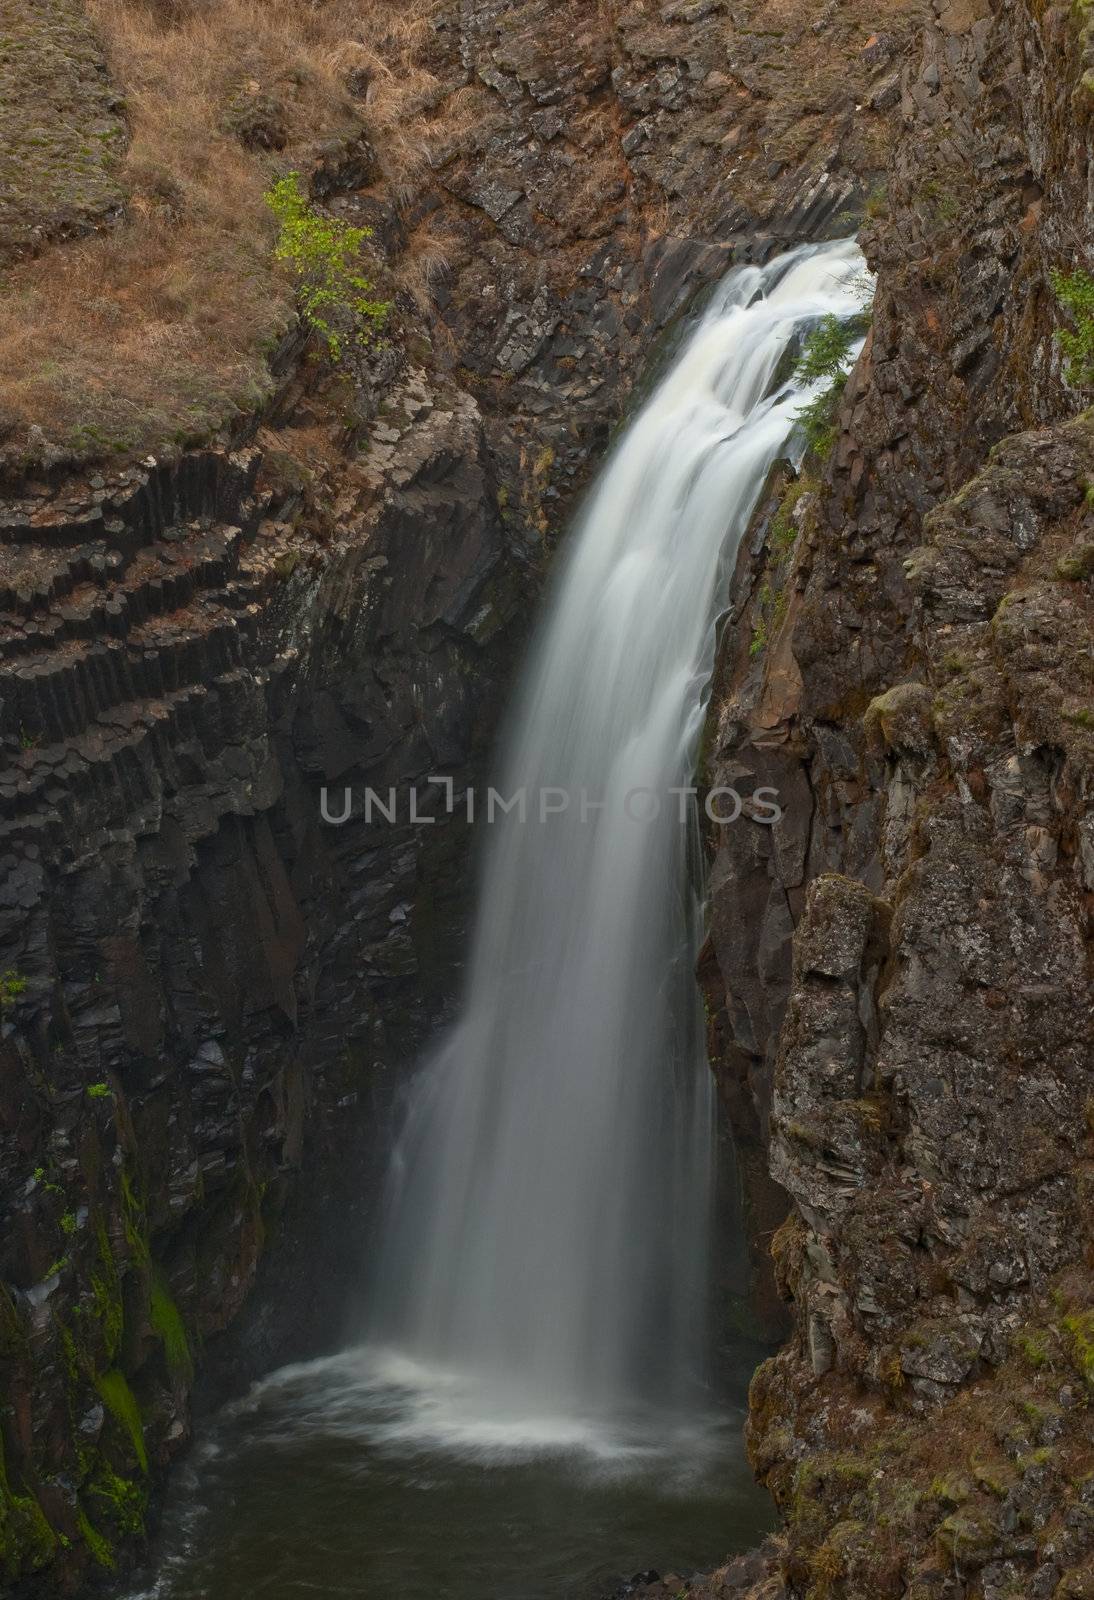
(548, 1229)
(539, 1300)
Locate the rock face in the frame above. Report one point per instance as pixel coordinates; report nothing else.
(204, 981)
(206, 990)
(913, 1024)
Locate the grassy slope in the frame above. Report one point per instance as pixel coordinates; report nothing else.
(155, 331)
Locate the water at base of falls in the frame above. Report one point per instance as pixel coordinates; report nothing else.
(530, 1416)
(362, 1476)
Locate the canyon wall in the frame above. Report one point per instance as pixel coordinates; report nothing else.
(910, 1034)
(208, 995)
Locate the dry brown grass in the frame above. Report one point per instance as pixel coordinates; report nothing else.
(426, 262)
(158, 330)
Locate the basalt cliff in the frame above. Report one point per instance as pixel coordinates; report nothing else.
(244, 582)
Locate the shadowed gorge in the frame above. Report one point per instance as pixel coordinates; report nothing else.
(541, 1304)
(444, 396)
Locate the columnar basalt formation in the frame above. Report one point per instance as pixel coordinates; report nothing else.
(202, 979)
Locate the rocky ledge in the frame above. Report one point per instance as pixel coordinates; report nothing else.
(910, 1037)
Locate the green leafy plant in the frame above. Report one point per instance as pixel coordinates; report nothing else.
(825, 351)
(824, 360)
(99, 1091)
(336, 298)
(120, 1499)
(1075, 293)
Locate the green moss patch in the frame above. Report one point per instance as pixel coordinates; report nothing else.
(169, 1327)
(118, 1501)
(120, 1401)
(102, 1551)
(62, 137)
(27, 1541)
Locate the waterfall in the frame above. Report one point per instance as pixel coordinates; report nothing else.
(546, 1241)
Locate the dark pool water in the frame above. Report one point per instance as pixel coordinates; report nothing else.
(367, 1476)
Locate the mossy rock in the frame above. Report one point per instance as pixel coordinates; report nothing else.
(257, 120)
(27, 1542)
(120, 1401)
(1077, 564)
(968, 1538)
(1079, 1333)
(62, 133)
(902, 719)
(952, 1489)
(1078, 1583)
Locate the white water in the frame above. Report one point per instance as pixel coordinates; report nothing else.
(545, 1260)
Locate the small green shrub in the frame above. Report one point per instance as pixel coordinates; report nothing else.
(760, 633)
(1075, 293)
(783, 535)
(99, 1091)
(877, 202)
(825, 351)
(136, 1221)
(824, 359)
(12, 985)
(944, 202)
(818, 422)
(323, 254)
